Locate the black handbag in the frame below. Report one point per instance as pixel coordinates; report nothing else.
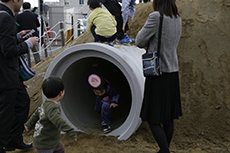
(150, 60)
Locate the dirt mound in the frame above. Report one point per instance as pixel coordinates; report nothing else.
(204, 74)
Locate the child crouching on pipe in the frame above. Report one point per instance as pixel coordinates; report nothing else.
(101, 23)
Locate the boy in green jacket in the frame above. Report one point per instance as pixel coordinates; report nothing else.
(48, 121)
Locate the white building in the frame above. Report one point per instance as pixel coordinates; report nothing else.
(74, 11)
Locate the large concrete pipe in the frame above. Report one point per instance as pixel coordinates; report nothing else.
(120, 65)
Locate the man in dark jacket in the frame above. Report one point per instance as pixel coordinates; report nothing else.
(28, 20)
(14, 99)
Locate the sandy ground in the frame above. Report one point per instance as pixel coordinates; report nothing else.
(205, 77)
(140, 142)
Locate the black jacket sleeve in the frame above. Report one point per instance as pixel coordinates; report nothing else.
(9, 45)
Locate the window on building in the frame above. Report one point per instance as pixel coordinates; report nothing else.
(81, 1)
(66, 2)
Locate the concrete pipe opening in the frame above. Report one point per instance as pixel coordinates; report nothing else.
(121, 65)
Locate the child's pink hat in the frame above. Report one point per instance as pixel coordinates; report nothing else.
(94, 80)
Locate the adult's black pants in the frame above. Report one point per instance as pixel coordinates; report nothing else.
(115, 9)
(14, 109)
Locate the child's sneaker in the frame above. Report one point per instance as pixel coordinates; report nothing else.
(126, 40)
(132, 40)
(111, 43)
(106, 128)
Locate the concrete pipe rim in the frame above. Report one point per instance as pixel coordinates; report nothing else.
(132, 121)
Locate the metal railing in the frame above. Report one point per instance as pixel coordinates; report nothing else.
(50, 36)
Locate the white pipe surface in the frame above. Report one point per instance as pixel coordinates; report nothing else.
(120, 64)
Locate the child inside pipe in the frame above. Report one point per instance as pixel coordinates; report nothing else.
(101, 23)
(48, 121)
(106, 99)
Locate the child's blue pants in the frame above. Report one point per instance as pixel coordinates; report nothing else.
(103, 107)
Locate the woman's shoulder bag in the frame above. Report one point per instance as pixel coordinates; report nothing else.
(150, 60)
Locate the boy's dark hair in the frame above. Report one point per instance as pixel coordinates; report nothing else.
(26, 5)
(52, 86)
(166, 7)
(94, 3)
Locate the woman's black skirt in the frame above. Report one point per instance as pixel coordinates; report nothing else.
(161, 102)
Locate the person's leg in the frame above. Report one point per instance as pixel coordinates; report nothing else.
(96, 39)
(115, 9)
(58, 149)
(160, 137)
(98, 105)
(21, 114)
(105, 113)
(128, 10)
(169, 128)
(108, 40)
(112, 38)
(126, 26)
(7, 116)
(120, 32)
(35, 54)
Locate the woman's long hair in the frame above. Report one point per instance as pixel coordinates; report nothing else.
(166, 7)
